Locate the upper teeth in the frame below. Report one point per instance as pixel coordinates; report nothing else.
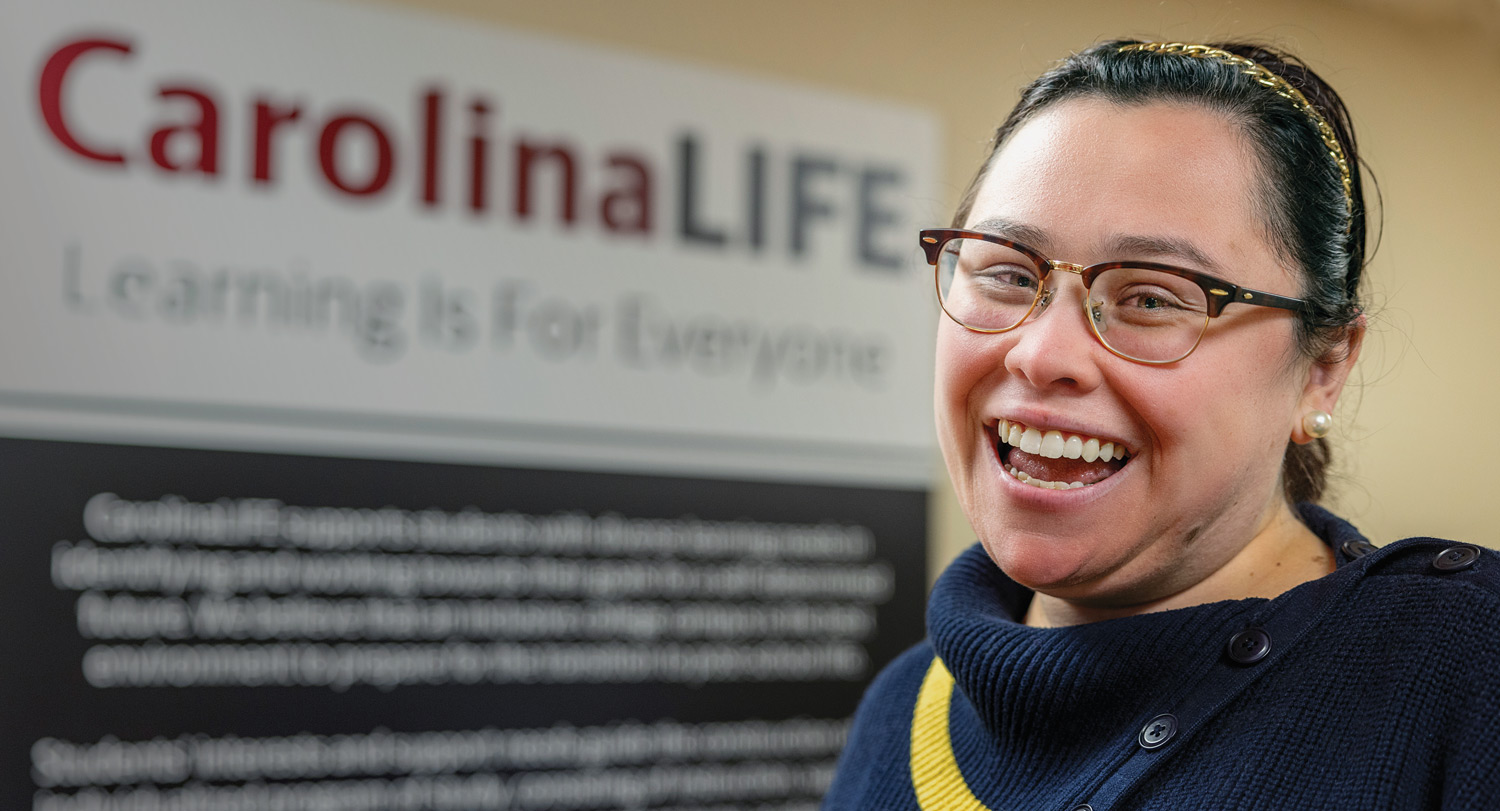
(1056, 444)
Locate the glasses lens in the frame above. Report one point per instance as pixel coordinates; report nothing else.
(1148, 315)
(986, 286)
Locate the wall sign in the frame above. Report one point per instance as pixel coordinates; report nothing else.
(282, 223)
(399, 413)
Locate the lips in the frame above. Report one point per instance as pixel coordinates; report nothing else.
(1052, 459)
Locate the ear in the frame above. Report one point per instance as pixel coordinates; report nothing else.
(1326, 378)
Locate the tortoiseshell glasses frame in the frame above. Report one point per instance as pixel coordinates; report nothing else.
(1141, 330)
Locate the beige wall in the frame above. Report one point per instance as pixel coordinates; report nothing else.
(1415, 436)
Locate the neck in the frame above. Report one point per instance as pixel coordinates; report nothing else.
(1282, 555)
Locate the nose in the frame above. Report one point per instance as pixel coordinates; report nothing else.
(1055, 347)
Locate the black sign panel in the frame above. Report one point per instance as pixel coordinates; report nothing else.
(194, 629)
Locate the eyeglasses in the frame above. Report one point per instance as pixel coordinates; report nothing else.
(1141, 311)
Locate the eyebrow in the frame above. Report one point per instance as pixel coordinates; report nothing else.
(1029, 235)
(1135, 246)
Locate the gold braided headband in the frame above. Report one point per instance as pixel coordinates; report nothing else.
(1277, 85)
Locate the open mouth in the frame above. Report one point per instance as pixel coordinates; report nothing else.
(1055, 460)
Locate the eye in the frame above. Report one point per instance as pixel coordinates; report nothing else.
(988, 282)
(1143, 297)
(1148, 301)
(1009, 276)
(1149, 298)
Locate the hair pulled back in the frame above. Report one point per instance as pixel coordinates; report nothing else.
(1301, 197)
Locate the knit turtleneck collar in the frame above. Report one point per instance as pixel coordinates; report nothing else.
(1036, 688)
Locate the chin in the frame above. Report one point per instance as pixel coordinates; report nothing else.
(1040, 563)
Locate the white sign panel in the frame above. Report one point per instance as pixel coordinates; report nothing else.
(330, 228)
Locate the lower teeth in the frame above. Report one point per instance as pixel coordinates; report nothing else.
(1026, 478)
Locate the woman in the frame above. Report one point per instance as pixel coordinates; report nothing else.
(1156, 615)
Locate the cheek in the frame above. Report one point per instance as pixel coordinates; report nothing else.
(1223, 426)
(963, 368)
(964, 361)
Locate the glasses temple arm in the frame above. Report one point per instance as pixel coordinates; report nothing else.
(1245, 295)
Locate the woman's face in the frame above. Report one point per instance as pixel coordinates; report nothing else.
(1088, 181)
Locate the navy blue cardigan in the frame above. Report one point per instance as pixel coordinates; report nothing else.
(1377, 686)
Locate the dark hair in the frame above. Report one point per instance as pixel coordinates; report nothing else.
(1301, 198)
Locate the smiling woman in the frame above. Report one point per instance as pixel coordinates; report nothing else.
(1206, 431)
(1157, 614)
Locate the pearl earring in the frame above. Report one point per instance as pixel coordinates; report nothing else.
(1317, 424)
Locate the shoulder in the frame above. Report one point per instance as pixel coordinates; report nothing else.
(1441, 600)
(1419, 564)
(1421, 596)
(889, 701)
(1429, 609)
(1452, 569)
(1430, 598)
(873, 771)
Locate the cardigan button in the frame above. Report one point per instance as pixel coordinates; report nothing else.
(1249, 646)
(1357, 549)
(1456, 557)
(1084, 807)
(1158, 731)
